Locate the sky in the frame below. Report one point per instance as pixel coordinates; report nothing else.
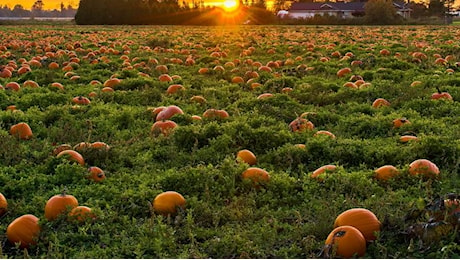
(49, 4)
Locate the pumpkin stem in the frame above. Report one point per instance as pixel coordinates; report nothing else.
(64, 191)
(439, 91)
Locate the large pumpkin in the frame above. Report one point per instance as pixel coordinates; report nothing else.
(73, 156)
(166, 203)
(59, 204)
(81, 214)
(423, 167)
(362, 219)
(21, 131)
(346, 241)
(23, 230)
(3, 205)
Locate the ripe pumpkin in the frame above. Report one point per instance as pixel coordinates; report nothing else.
(81, 214)
(59, 204)
(100, 146)
(61, 148)
(246, 156)
(111, 83)
(343, 72)
(3, 205)
(326, 133)
(72, 156)
(82, 146)
(174, 88)
(198, 99)
(386, 172)
(256, 175)
(441, 95)
(215, 113)
(323, 169)
(96, 174)
(13, 86)
(380, 102)
(346, 241)
(21, 131)
(169, 112)
(362, 219)
(423, 167)
(80, 100)
(166, 203)
(300, 124)
(400, 122)
(23, 230)
(407, 138)
(164, 127)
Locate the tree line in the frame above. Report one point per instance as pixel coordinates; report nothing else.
(37, 10)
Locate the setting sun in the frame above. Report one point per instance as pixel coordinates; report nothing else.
(230, 5)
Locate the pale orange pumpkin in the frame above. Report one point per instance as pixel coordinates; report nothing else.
(3, 205)
(21, 131)
(81, 214)
(246, 156)
(256, 175)
(423, 167)
(386, 172)
(72, 156)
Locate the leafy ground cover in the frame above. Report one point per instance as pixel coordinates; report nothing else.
(301, 72)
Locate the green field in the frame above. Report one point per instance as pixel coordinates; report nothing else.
(226, 215)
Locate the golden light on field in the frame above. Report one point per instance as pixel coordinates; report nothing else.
(49, 4)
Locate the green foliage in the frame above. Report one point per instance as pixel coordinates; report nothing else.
(225, 215)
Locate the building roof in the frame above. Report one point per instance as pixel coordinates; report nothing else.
(343, 6)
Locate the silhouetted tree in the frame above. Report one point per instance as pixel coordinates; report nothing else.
(380, 12)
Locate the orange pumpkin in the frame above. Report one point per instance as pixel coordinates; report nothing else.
(325, 133)
(198, 99)
(82, 146)
(343, 72)
(164, 127)
(400, 122)
(13, 86)
(346, 241)
(3, 205)
(96, 174)
(72, 156)
(423, 167)
(323, 169)
(441, 95)
(169, 112)
(80, 100)
(61, 148)
(166, 203)
(380, 102)
(59, 204)
(100, 146)
(21, 131)
(23, 230)
(256, 175)
(386, 172)
(362, 219)
(81, 214)
(174, 88)
(215, 113)
(300, 124)
(246, 156)
(407, 138)
(111, 83)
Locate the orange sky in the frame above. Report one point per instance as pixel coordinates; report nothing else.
(49, 4)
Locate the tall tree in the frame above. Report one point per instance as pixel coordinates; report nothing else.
(380, 12)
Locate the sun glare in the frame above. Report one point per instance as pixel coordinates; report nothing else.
(230, 5)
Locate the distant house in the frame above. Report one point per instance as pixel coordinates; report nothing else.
(339, 9)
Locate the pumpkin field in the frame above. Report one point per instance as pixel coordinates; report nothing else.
(229, 142)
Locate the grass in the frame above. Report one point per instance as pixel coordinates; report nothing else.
(226, 216)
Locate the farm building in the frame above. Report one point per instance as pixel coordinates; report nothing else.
(340, 9)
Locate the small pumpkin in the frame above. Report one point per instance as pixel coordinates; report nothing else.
(215, 113)
(441, 95)
(59, 204)
(345, 241)
(362, 219)
(246, 156)
(81, 214)
(100, 146)
(23, 230)
(407, 138)
(169, 112)
(386, 172)
(96, 174)
(300, 124)
(3, 205)
(72, 156)
(325, 133)
(61, 148)
(21, 131)
(397, 123)
(323, 169)
(380, 102)
(166, 203)
(81, 100)
(423, 167)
